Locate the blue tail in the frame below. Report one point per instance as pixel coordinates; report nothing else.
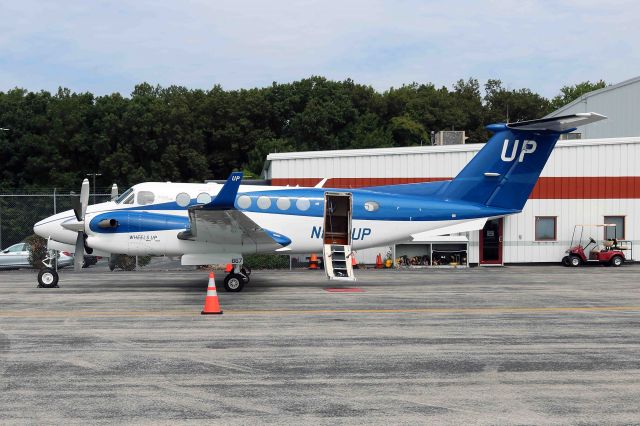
(505, 171)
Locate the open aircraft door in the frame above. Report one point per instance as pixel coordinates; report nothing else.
(337, 236)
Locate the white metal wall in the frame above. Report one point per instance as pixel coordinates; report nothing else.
(520, 244)
(595, 157)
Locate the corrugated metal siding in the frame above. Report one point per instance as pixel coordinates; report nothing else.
(621, 105)
(575, 158)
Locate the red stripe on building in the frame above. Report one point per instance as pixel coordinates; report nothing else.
(550, 188)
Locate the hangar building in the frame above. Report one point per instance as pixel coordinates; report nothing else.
(619, 102)
(587, 181)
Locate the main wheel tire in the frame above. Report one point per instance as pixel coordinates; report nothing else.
(616, 261)
(575, 261)
(48, 278)
(234, 282)
(565, 261)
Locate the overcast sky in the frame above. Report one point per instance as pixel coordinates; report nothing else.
(108, 46)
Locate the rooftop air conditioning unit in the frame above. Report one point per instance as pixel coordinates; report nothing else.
(450, 137)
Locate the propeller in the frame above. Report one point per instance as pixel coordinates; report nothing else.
(80, 209)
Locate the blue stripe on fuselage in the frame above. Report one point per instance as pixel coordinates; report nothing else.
(391, 207)
(137, 221)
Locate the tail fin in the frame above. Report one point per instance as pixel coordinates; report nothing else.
(505, 171)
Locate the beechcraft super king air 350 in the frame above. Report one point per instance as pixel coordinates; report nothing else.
(218, 224)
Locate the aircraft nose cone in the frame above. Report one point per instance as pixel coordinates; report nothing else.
(51, 228)
(45, 228)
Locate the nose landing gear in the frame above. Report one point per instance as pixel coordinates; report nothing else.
(48, 276)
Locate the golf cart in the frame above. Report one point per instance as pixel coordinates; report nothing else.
(611, 252)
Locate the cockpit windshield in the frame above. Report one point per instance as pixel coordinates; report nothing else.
(123, 196)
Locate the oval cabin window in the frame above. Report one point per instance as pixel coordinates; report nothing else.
(203, 198)
(244, 201)
(183, 199)
(264, 202)
(145, 197)
(283, 203)
(303, 204)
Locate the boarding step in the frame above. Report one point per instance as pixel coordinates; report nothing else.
(337, 262)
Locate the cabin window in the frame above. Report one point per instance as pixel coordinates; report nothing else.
(145, 197)
(264, 202)
(303, 204)
(123, 196)
(183, 199)
(371, 206)
(203, 198)
(283, 203)
(129, 199)
(617, 231)
(546, 228)
(244, 201)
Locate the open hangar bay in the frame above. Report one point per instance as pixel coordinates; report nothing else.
(519, 344)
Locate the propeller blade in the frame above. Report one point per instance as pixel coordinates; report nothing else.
(114, 192)
(77, 208)
(78, 257)
(84, 197)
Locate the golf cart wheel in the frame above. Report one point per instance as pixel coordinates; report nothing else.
(575, 261)
(48, 278)
(234, 283)
(616, 261)
(565, 261)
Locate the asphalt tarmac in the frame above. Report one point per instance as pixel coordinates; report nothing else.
(512, 345)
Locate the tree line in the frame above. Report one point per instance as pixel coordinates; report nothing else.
(179, 134)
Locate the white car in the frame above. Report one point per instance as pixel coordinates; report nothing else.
(17, 256)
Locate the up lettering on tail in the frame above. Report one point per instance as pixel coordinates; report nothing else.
(528, 147)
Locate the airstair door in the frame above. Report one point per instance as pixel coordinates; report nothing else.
(337, 236)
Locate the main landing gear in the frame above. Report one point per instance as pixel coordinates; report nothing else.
(237, 278)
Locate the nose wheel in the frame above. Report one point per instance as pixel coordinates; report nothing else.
(48, 278)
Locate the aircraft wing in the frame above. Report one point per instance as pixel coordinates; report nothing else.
(218, 222)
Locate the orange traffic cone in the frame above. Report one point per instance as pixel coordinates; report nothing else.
(379, 261)
(313, 261)
(211, 304)
(229, 268)
(354, 262)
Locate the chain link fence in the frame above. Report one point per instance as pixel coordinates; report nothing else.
(19, 211)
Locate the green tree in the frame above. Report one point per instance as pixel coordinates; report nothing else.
(570, 93)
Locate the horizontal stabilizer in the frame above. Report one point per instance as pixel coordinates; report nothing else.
(557, 124)
(227, 196)
(472, 225)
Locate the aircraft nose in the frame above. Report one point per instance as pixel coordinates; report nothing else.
(51, 228)
(45, 228)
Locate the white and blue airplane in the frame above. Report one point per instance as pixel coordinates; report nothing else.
(214, 223)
